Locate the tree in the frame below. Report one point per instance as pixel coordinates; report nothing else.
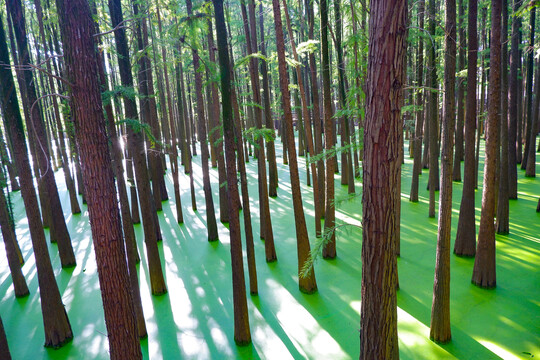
(307, 284)
(458, 154)
(211, 223)
(513, 103)
(55, 320)
(465, 244)
(527, 126)
(484, 264)
(241, 320)
(440, 310)
(502, 224)
(417, 147)
(76, 26)
(136, 148)
(329, 251)
(382, 161)
(530, 170)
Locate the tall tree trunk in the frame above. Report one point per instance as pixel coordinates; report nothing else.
(528, 92)
(77, 28)
(465, 244)
(382, 161)
(308, 283)
(211, 224)
(329, 251)
(269, 122)
(4, 348)
(216, 136)
(484, 264)
(440, 310)
(458, 154)
(530, 170)
(420, 100)
(266, 232)
(136, 148)
(502, 224)
(241, 318)
(55, 320)
(513, 103)
(307, 123)
(433, 111)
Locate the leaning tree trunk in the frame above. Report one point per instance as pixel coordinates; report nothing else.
(484, 264)
(440, 310)
(55, 320)
(307, 284)
(382, 161)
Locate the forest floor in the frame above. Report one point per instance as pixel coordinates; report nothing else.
(195, 319)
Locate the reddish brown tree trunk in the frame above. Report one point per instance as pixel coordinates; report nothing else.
(484, 274)
(382, 161)
(465, 244)
(308, 283)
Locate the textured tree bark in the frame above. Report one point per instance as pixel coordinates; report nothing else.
(440, 310)
(329, 251)
(382, 161)
(211, 224)
(55, 320)
(465, 244)
(59, 232)
(484, 274)
(417, 149)
(242, 334)
(513, 104)
(306, 284)
(502, 224)
(76, 25)
(136, 148)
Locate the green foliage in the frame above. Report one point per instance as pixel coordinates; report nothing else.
(138, 126)
(307, 47)
(117, 92)
(253, 134)
(243, 61)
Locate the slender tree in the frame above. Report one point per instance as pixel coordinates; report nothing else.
(527, 126)
(307, 284)
(385, 77)
(465, 244)
(417, 143)
(460, 105)
(241, 320)
(440, 310)
(484, 264)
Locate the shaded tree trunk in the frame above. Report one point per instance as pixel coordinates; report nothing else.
(528, 92)
(458, 154)
(4, 348)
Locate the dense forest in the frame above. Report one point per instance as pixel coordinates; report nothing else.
(175, 173)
